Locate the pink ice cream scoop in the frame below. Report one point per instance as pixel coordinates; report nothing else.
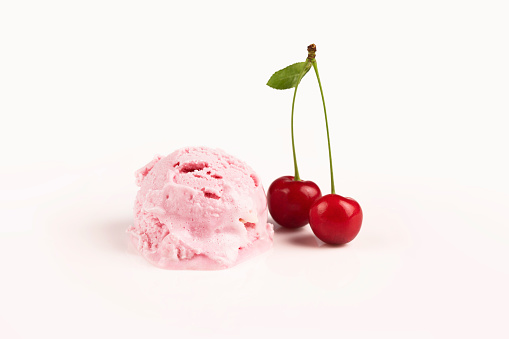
(201, 209)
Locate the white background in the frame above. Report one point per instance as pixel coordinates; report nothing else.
(417, 95)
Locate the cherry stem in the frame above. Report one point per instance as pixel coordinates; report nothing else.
(313, 61)
(304, 71)
(296, 176)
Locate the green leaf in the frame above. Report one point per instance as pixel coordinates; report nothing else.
(290, 76)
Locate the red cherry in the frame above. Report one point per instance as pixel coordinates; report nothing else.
(289, 201)
(335, 219)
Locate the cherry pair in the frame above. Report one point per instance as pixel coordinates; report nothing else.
(334, 219)
(292, 202)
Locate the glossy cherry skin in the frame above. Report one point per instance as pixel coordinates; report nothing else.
(335, 219)
(289, 201)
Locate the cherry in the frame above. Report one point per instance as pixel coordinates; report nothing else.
(289, 198)
(289, 201)
(335, 219)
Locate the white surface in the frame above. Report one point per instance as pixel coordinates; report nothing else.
(417, 97)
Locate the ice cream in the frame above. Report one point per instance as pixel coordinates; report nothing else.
(199, 208)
